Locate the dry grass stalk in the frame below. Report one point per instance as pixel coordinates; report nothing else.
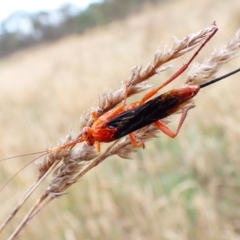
(205, 71)
(75, 162)
(44, 168)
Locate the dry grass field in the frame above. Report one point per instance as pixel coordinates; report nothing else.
(175, 189)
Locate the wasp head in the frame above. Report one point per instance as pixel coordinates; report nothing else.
(87, 135)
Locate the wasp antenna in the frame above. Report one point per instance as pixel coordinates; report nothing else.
(24, 155)
(219, 78)
(70, 144)
(22, 169)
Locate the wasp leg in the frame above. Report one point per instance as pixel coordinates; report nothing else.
(166, 130)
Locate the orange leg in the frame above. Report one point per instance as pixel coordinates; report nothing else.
(181, 70)
(134, 142)
(107, 116)
(94, 116)
(98, 146)
(166, 130)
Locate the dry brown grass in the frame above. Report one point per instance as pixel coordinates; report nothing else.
(185, 188)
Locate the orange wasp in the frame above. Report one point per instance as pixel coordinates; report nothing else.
(148, 113)
(125, 120)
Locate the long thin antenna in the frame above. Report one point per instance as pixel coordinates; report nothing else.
(219, 78)
(24, 155)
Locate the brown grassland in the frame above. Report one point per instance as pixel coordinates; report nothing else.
(182, 188)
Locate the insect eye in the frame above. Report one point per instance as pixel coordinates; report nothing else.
(84, 131)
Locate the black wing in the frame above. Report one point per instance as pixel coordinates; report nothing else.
(146, 114)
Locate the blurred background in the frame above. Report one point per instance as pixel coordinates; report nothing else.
(56, 59)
